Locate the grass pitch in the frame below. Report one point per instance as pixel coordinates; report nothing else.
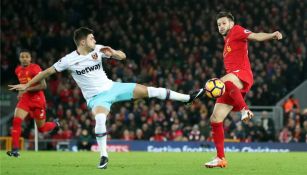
(142, 163)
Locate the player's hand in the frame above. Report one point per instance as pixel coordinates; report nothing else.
(108, 51)
(277, 35)
(18, 87)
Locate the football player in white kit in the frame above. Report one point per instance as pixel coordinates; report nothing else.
(85, 66)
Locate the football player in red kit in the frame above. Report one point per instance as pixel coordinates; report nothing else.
(30, 102)
(238, 80)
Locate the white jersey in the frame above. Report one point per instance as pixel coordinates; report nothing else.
(87, 71)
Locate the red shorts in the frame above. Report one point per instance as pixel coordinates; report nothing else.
(35, 105)
(247, 79)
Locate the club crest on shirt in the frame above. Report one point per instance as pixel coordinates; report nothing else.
(94, 56)
(227, 49)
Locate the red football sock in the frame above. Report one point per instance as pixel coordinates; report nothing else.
(218, 138)
(16, 131)
(48, 126)
(234, 92)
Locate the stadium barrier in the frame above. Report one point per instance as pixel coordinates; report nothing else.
(274, 112)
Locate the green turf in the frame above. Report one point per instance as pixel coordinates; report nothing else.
(134, 163)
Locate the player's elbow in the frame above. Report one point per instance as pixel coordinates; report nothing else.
(123, 57)
(255, 37)
(258, 39)
(49, 71)
(44, 85)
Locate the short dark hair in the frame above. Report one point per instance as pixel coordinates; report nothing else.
(24, 50)
(81, 33)
(225, 14)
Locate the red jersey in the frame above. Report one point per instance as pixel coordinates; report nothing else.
(237, 62)
(25, 74)
(236, 50)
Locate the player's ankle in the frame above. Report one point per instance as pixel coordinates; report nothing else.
(244, 109)
(221, 157)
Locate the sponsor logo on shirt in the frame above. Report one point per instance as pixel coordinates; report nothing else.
(88, 69)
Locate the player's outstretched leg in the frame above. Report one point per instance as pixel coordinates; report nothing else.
(142, 91)
(164, 94)
(195, 95)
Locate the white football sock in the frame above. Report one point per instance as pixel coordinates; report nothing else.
(100, 128)
(161, 93)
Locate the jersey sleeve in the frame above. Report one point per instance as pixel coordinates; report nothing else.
(241, 33)
(16, 70)
(62, 64)
(99, 48)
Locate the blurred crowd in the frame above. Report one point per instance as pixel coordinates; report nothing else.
(295, 122)
(173, 44)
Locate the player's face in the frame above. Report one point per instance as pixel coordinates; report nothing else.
(25, 58)
(224, 25)
(90, 41)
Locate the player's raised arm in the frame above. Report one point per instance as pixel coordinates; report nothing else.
(116, 54)
(265, 36)
(38, 78)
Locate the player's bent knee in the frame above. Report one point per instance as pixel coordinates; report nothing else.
(234, 79)
(100, 109)
(140, 91)
(40, 129)
(40, 123)
(215, 119)
(20, 113)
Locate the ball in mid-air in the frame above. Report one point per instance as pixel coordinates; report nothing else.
(214, 88)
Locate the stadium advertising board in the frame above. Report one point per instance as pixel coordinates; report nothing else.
(125, 146)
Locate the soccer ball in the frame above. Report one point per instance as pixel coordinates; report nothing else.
(214, 88)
